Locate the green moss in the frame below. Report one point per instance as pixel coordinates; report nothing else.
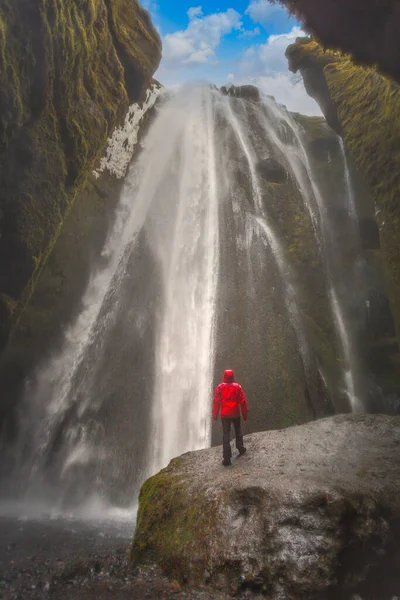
(172, 523)
(65, 84)
(368, 106)
(307, 52)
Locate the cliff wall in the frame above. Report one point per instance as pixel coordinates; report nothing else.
(364, 107)
(68, 73)
(369, 30)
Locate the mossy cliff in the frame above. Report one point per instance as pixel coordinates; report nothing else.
(369, 30)
(68, 73)
(364, 107)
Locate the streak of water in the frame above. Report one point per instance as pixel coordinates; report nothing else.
(297, 157)
(349, 185)
(185, 348)
(274, 243)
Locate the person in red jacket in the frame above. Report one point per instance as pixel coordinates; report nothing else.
(230, 401)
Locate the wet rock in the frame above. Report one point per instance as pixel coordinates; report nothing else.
(272, 171)
(80, 567)
(369, 234)
(248, 92)
(311, 69)
(363, 106)
(172, 587)
(323, 148)
(309, 512)
(379, 316)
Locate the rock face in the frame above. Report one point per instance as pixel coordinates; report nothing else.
(367, 29)
(68, 73)
(272, 171)
(310, 512)
(365, 107)
(63, 279)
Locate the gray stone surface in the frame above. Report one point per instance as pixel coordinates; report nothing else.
(309, 512)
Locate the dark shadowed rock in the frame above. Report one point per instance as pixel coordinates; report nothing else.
(323, 148)
(311, 67)
(272, 171)
(367, 29)
(369, 233)
(309, 512)
(249, 92)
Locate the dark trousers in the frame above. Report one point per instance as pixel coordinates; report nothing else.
(226, 429)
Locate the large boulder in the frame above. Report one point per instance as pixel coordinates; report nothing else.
(310, 512)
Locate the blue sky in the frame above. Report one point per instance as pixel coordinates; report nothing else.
(229, 41)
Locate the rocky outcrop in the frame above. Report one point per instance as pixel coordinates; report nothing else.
(365, 107)
(367, 29)
(309, 512)
(247, 92)
(68, 73)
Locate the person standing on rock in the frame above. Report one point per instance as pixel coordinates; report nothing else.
(230, 401)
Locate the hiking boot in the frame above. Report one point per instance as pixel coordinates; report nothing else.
(226, 463)
(242, 451)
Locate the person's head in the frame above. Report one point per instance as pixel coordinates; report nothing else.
(229, 376)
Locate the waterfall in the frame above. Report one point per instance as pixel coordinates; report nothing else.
(294, 151)
(156, 279)
(184, 359)
(195, 276)
(262, 222)
(348, 184)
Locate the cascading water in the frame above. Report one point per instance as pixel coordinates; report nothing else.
(348, 184)
(151, 304)
(184, 357)
(194, 277)
(272, 118)
(262, 222)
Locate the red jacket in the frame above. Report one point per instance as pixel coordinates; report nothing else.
(229, 399)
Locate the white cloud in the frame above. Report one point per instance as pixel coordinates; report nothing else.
(195, 11)
(151, 6)
(263, 11)
(265, 66)
(231, 77)
(270, 57)
(198, 43)
(248, 34)
(286, 90)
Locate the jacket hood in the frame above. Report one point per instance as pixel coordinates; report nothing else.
(229, 376)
